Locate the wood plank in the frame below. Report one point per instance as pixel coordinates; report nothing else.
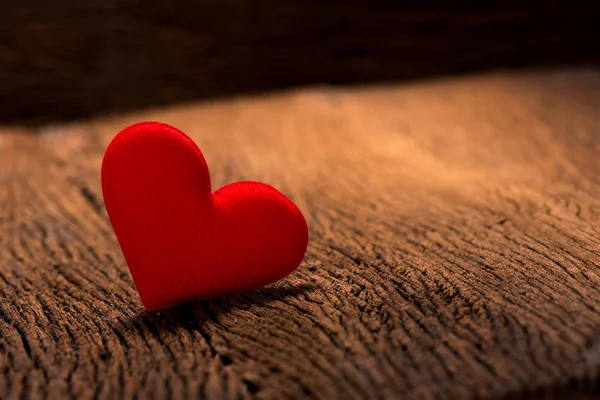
(454, 249)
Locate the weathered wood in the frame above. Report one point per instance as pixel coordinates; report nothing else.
(454, 251)
(76, 58)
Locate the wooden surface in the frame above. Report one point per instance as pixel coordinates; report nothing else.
(75, 58)
(454, 250)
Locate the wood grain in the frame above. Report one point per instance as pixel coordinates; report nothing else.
(78, 58)
(454, 250)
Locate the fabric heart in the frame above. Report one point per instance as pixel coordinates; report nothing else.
(181, 241)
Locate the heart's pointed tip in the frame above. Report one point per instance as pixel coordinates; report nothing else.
(156, 308)
(153, 305)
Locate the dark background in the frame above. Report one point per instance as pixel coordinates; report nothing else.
(74, 58)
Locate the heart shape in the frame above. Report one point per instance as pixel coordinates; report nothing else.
(182, 242)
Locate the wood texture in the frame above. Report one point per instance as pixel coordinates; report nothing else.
(454, 250)
(75, 58)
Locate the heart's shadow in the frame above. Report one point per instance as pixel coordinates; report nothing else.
(194, 315)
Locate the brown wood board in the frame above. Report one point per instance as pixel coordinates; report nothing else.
(454, 249)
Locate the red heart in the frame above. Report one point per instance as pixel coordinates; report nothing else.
(183, 243)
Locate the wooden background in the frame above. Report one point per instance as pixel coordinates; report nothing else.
(75, 58)
(454, 250)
